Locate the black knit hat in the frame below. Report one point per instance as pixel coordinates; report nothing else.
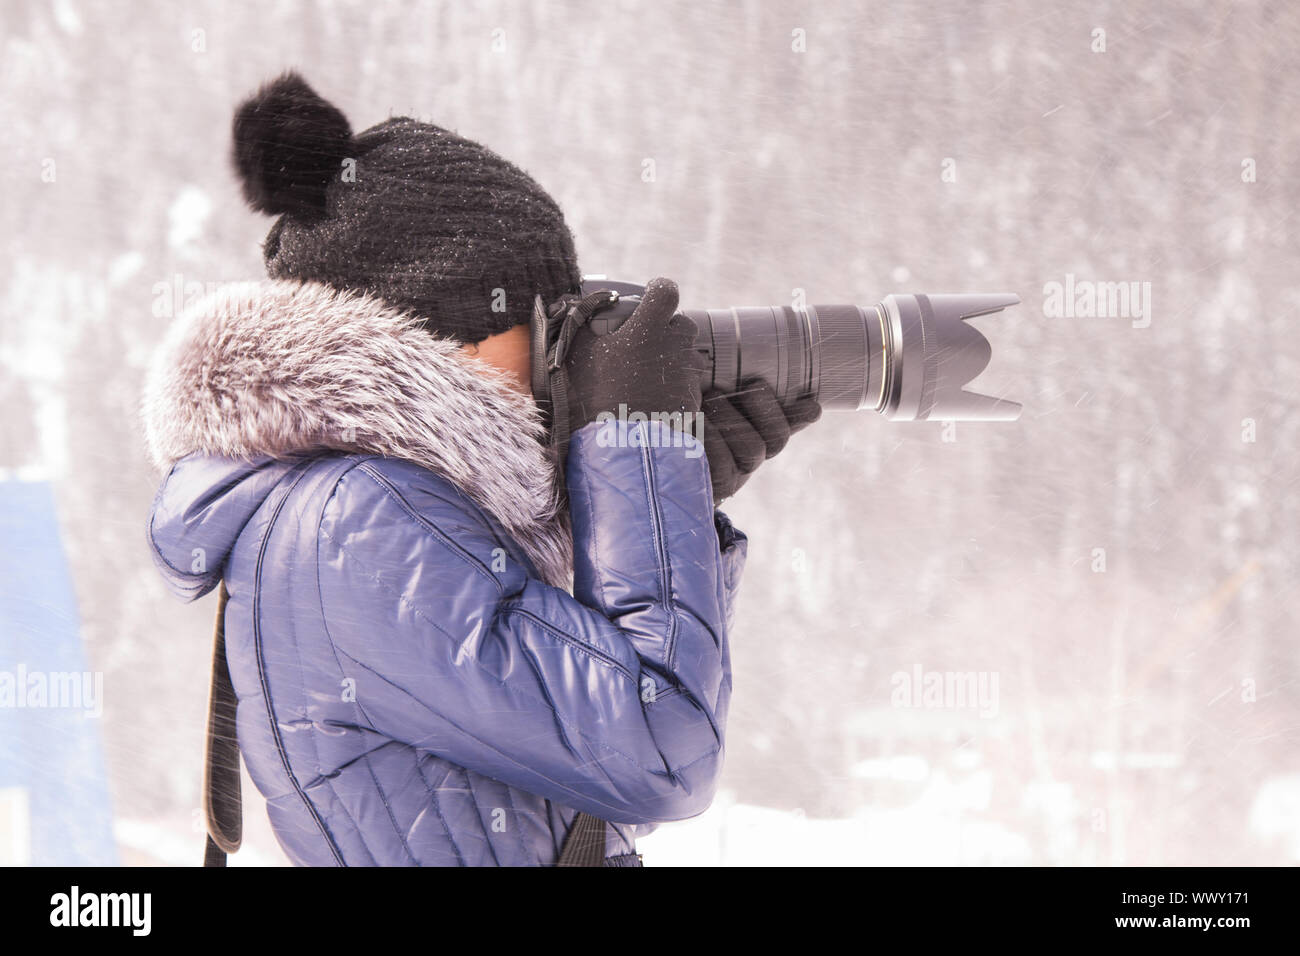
(432, 223)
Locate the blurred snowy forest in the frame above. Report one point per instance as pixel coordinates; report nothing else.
(1122, 560)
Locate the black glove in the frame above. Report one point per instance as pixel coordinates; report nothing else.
(648, 364)
(745, 428)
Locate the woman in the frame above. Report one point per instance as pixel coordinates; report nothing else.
(351, 447)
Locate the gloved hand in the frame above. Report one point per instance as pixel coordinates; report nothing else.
(745, 428)
(647, 364)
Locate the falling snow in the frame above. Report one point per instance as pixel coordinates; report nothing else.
(1123, 559)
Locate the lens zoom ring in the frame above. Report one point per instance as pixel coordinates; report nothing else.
(842, 341)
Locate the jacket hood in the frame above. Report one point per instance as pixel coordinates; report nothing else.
(256, 374)
(199, 512)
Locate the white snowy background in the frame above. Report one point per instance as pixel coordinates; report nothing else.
(1122, 560)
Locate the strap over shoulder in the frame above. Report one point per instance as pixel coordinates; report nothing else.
(222, 800)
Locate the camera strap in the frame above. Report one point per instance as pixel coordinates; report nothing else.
(222, 800)
(554, 329)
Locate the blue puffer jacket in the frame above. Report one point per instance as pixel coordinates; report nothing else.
(411, 690)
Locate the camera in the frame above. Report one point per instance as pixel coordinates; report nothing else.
(907, 357)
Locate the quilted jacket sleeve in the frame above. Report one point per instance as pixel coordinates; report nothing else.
(612, 700)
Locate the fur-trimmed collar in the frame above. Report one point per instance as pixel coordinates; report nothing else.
(280, 367)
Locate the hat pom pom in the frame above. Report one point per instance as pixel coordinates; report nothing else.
(288, 146)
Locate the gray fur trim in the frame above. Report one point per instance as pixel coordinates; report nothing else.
(277, 367)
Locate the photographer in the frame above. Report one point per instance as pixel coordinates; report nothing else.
(353, 453)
